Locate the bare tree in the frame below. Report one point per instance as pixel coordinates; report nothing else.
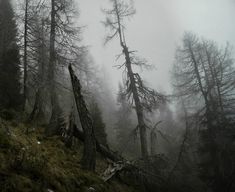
(39, 80)
(144, 98)
(204, 74)
(89, 155)
(63, 49)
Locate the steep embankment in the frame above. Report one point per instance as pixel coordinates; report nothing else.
(35, 163)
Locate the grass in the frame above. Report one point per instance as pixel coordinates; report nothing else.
(36, 163)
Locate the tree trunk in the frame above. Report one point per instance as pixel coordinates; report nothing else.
(89, 154)
(138, 106)
(25, 53)
(37, 112)
(153, 141)
(105, 151)
(53, 127)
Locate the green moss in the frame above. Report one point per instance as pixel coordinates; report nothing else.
(35, 163)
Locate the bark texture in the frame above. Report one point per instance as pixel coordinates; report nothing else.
(89, 154)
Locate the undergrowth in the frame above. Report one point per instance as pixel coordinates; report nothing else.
(32, 162)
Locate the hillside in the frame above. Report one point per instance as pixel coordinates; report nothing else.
(35, 163)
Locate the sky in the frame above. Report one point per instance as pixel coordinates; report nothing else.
(155, 31)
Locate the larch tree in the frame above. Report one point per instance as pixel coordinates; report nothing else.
(39, 59)
(35, 41)
(205, 75)
(144, 98)
(64, 36)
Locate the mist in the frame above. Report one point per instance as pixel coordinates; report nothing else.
(155, 31)
(117, 95)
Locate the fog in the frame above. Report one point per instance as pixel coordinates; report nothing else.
(155, 31)
(73, 117)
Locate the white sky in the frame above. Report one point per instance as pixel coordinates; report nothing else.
(155, 31)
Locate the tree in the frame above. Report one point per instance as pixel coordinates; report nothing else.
(144, 98)
(56, 111)
(99, 126)
(35, 58)
(10, 96)
(39, 76)
(26, 27)
(204, 74)
(63, 49)
(89, 154)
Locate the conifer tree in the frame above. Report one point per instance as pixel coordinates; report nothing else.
(10, 97)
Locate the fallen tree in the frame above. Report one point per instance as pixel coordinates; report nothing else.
(138, 173)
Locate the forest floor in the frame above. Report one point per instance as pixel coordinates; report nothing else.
(32, 162)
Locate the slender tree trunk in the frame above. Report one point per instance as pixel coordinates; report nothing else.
(153, 139)
(53, 127)
(138, 106)
(25, 53)
(37, 112)
(89, 154)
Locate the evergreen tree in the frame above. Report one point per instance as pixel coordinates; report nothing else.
(99, 126)
(10, 97)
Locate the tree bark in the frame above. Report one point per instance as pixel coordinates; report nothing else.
(106, 152)
(37, 112)
(89, 154)
(25, 53)
(138, 106)
(53, 127)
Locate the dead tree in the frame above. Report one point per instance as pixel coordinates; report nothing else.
(143, 97)
(89, 155)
